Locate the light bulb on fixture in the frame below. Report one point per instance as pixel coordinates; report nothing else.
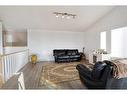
(68, 17)
(57, 15)
(73, 17)
(62, 16)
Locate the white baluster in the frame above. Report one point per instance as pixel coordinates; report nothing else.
(14, 62)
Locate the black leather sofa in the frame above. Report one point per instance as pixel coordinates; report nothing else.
(66, 55)
(114, 83)
(97, 78)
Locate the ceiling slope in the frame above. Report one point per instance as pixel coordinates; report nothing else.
(42, 17)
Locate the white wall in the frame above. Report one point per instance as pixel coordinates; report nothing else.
(8, 50)
(1, 52)
(115, 19)
(42, 42)
(1, 43)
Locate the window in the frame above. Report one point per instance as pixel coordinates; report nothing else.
(103, 40)
(119, 42)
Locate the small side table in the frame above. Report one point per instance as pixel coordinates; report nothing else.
(83, 56)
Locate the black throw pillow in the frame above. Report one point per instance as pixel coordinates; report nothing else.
(97, 70)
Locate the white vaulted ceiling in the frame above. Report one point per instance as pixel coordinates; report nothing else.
(42, 17)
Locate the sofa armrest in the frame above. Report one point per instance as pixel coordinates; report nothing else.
(56, 58)
(79, 53)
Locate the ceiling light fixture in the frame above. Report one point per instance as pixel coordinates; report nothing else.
(64, 15)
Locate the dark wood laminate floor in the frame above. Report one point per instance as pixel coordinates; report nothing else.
(31, 77)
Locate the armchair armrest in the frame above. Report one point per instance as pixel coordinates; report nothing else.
(83, 70)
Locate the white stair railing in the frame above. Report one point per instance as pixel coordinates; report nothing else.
(13, 62)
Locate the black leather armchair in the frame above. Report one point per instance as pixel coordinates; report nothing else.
(97, 78)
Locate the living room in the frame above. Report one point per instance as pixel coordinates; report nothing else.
(88, 29)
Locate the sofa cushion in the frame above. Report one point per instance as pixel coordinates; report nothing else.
(74, 56)
(72, 52)
(97, 70)
(59, 52)
(63, 57)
